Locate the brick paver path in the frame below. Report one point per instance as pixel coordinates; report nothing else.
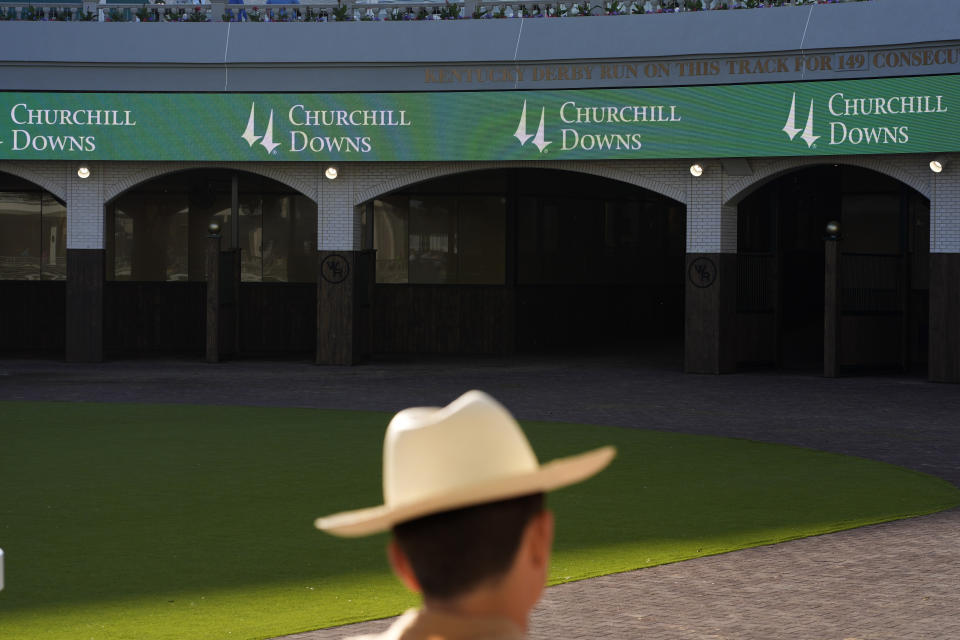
(891, 581)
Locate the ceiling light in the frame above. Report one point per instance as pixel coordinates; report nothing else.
(696, 170)
(331, 173)
(83, 171)
(937, 164)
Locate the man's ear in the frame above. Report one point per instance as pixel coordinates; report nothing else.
(401, 566)
(540, 534)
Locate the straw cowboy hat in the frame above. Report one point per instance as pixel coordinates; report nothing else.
(470, 452)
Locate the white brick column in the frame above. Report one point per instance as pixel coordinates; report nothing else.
(85, 208)
(341, 332)
(710, 275)
(85, 264)
(945, 209)
(335, 210)
(711, 226)
(944, 353)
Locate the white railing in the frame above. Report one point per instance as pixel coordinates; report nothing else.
(360, 10)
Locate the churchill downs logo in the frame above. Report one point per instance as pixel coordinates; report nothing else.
(324, 132)
(865, 120)
(251, 136)
(790, 128)
(597, 127)
(522, 135)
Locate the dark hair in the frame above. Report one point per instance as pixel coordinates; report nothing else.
(454, 551)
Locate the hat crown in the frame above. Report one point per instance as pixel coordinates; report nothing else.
(431, 451)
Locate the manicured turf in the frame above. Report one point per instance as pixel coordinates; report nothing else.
(183, 522)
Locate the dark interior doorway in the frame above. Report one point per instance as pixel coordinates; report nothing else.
(156, 242)
(884, 289)
(527, 261)
(33, 269)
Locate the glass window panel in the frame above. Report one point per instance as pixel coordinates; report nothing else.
(53, 238)
(251, 237)
(611, 224)
(122, 249)
(208, 203)
(676, 223)
(159, 231)
(215, 207)
(581, 236)
(860, 180)
(390, 237)
(288, 238)
(621, 241)
(150, 235)
(482, 244)
(275, 238)
(20, 230)
(366, 226)
(550, 228)
(571, 246)
(621, 225)
(173, 226)
(919, 208)
(552, 261)
(528, 241)
(433, 240)
(302, 260)
(871, 223)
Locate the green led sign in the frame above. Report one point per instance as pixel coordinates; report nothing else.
(891, 115)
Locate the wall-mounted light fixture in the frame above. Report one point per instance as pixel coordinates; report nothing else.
(696, 169)
(331, 173)
(83, 171)
(937, 164)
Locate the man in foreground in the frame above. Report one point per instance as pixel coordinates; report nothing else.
(464, 496)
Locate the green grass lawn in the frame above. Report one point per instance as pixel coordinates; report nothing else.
(195, 522)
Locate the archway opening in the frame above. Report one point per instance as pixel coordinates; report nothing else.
(527, 261)
(33, 269)
(884, 291)
(156, 243)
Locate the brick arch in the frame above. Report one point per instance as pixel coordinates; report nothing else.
(156, 171)
(57, 188)
(452, 168)
(740, 189)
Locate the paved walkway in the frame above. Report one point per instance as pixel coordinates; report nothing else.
(896, 580)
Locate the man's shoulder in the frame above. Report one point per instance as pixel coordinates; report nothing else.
(394, 631)
(426, 625)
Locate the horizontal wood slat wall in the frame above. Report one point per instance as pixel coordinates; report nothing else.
(443, 319)
(155, 317)
(557, 316)
(278, 318)
(452, 319)
(85, 299)
(944, 317)
(32, 316)
(710, 338)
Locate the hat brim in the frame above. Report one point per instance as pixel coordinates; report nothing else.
(553, 475)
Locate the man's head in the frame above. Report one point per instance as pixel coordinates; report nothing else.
(486, 560)
(463, 493)
(453, 552)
